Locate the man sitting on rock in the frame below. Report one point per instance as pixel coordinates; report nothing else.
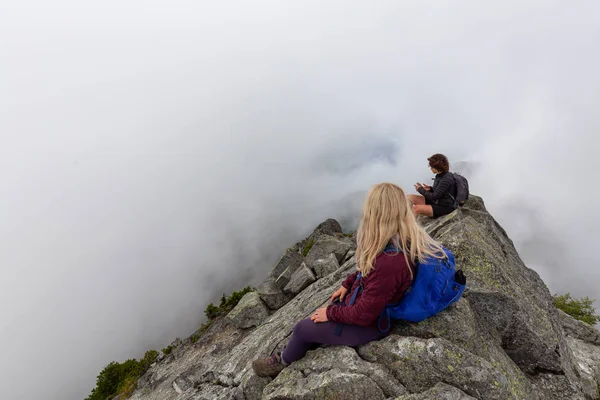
(439, 199)
(389, 242)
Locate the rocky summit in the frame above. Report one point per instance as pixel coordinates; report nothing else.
(503, 340)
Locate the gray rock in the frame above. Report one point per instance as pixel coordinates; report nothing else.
(252, 386)
(325, 245)
(333, 373)
(349, 255)
(510, 300)
(421, 363)
(579, 329)
(328, 227)
(555, 387)
(249, 312)
(587, 356)
(457, 324)
(216, 392)
(325, 266)
(349, 265)
(518, 335)
(272, 295)
(283, 279)
(182, 384)
(441, 391)
(300, 280)
(291, 259)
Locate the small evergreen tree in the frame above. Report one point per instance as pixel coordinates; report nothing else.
(581, 309)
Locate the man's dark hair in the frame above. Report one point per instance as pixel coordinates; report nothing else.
(439, 162)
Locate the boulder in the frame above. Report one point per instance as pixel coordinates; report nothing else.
(587, 356)
(249, 312)
(283, 279)
(272, 295)
(578, 329)
(252, 386)
(325, 266)
(421, 363)
(509, 299)
(300, 280)
(333, 373)
(555, 387)
(291, 259)
(441, 391)
(329, 227)
(325, 245)
(457, 324)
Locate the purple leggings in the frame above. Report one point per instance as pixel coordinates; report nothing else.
(307, 335)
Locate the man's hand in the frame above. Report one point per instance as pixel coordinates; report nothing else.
(319, 316)
(341, 293)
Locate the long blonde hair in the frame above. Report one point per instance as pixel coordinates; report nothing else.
(387, 217)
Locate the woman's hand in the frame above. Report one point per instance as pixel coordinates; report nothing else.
(341, 293)
(418, 186)
(319, 316)
(427, 187)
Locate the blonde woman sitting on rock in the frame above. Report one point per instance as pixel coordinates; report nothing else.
(389, 241)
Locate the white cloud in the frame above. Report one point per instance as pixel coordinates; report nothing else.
(157, 154)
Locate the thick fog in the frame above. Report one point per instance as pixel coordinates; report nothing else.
(158, 154)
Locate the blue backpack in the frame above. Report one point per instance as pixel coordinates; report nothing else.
(437, 285)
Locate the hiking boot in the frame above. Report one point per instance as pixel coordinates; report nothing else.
(268, 367)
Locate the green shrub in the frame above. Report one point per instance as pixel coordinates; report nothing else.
(121, 378)
(227, 304)
(127, 388)
(148, 360)
(212, 311)
(581, 309)
(167, 350)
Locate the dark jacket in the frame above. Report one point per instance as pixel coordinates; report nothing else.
(385, 284)
(443, 191)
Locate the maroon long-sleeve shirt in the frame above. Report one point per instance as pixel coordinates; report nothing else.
(385, 284)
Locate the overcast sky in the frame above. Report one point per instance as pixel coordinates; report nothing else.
(156, 154)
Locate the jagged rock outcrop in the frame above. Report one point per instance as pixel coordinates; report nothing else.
(327, 245)
(503, 340)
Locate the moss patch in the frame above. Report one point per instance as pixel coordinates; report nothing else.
(307, 246)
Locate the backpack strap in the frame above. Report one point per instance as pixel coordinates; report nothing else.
(456, 204)
(359, 288)
(340, 326)
(385, 315)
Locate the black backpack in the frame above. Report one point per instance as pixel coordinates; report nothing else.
(462, 189)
